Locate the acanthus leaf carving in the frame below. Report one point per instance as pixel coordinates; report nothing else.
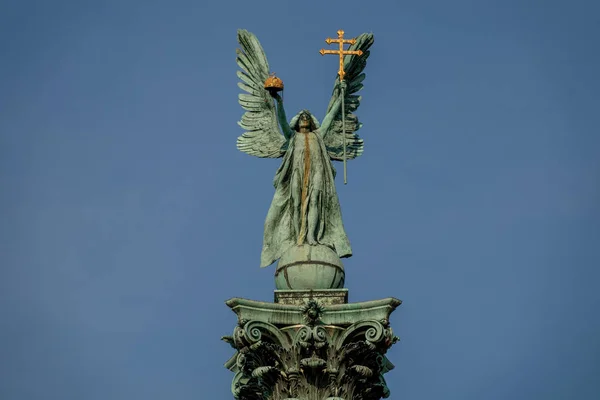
(287, 353)
(311, 361)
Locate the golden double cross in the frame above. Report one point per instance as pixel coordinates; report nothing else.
(341, 52)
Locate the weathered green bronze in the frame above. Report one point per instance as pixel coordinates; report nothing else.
(310, 344)
(310, 351)
(309, 267)
(305, 207)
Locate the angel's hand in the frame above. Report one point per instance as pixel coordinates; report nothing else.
(274, 94)
(278, 99)
(342, 85)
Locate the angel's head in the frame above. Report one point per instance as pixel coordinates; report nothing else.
(304, 122)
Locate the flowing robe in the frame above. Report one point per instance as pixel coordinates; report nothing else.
(304, 184)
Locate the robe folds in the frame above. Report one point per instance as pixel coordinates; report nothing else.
(283, 225)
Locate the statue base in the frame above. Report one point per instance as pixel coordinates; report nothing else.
(325, 297)
(304, 348)
(306, 267)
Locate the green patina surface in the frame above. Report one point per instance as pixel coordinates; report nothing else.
(305, 207)
(326, 297)
(309, 267)
(311, 344)
(311, 351)
(337, 314)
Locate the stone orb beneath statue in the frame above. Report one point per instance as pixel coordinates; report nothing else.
(308, 267)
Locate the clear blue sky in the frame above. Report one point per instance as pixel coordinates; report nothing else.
(129, 217)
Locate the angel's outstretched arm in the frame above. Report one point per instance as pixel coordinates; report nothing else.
(333, 111)
(285, 127)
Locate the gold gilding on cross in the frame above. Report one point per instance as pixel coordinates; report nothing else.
(341, 52)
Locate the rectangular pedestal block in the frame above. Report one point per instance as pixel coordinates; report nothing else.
(324, 296)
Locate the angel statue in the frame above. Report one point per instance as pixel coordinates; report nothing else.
(305, 209)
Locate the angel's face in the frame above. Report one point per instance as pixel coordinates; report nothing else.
(305, 122)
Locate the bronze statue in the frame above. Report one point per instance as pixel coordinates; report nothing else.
(305, 209)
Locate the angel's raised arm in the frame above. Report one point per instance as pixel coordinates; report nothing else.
(285, 127)
(333, 135)
(333, 111)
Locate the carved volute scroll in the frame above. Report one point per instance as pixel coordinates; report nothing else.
(310, 344)
(311, 360)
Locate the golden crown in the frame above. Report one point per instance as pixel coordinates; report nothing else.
(273, 83)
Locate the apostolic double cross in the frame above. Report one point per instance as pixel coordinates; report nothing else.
(341, 52)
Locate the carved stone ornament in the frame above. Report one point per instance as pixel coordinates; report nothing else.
(310, 344)
(308, 356)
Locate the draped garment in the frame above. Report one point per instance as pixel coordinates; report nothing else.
(304, 184)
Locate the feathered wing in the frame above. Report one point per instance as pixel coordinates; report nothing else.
(262, 137)
(333, 137)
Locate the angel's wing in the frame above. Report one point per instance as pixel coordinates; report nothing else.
(262, 137)
(333, 136)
